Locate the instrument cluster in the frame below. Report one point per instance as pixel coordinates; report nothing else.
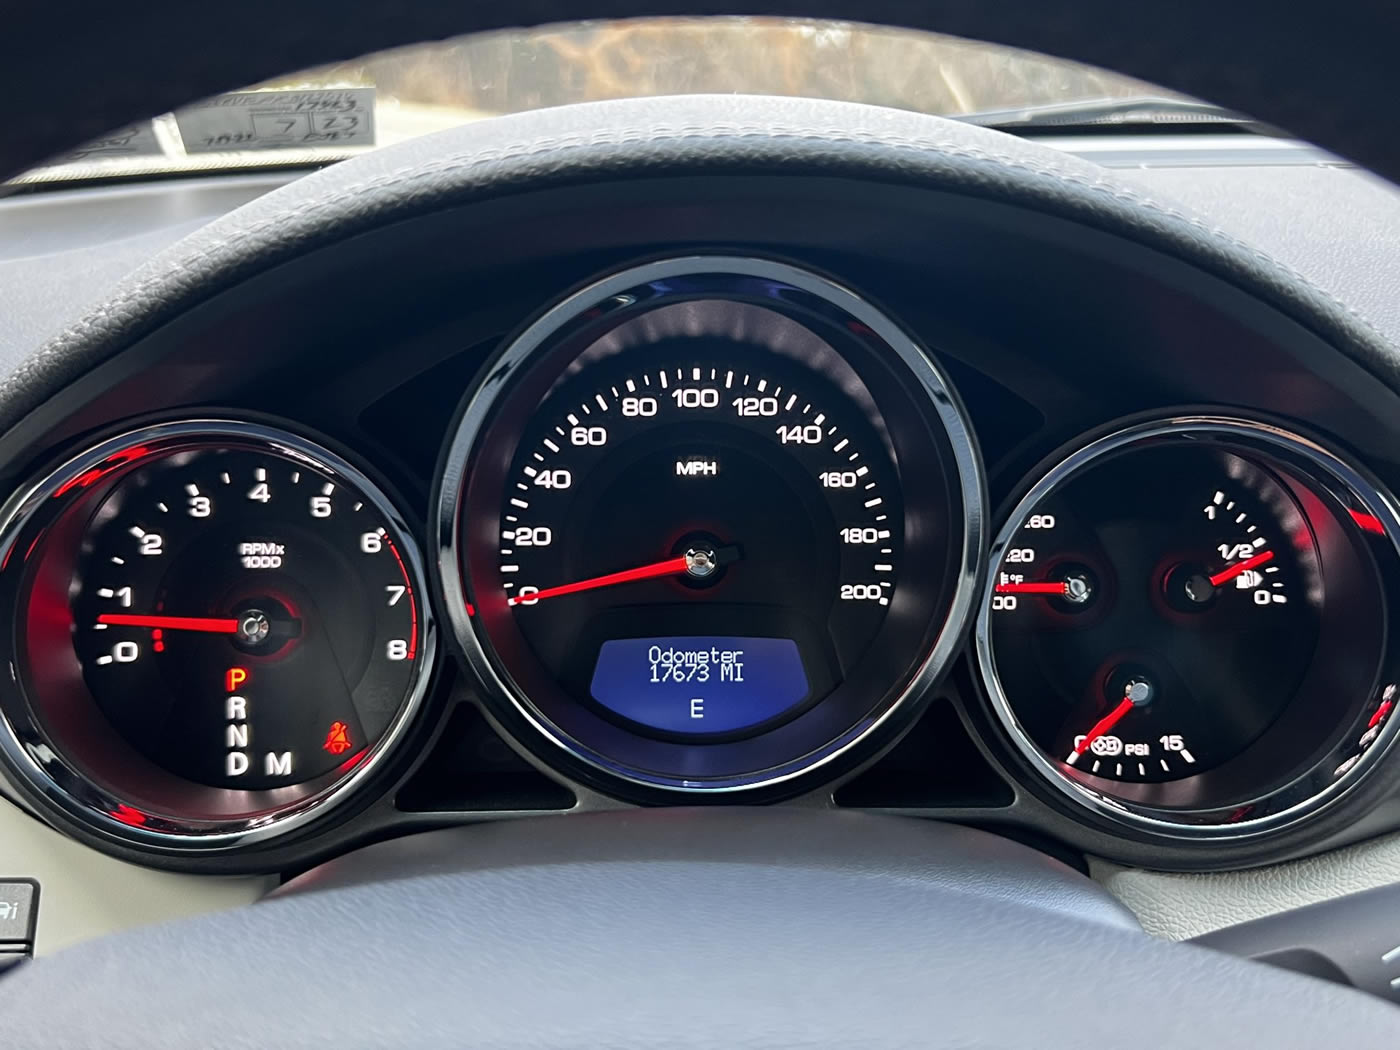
(710, 528)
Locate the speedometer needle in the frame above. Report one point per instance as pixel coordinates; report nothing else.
(171, 623)
(670, 567)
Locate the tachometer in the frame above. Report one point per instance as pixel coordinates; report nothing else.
(1186, 621)
(218, 627)
(688, 550)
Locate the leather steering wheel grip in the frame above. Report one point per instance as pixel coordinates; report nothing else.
(708, 928)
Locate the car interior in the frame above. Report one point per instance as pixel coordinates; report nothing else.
(699, 525)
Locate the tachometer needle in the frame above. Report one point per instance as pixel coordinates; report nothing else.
(171, 623)
(1229, 573)
(670, 567)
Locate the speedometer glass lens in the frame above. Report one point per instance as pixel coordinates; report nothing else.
(1187, 622)
(222, 626)
(685, 550)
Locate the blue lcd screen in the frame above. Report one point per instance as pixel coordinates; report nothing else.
(699, 685)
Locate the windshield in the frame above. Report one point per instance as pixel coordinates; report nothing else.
(337, 111)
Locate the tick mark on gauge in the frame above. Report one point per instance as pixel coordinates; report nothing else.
(162, 508)
(225, 478)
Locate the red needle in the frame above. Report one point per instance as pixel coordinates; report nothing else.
(669, 567)
(1104, 724)
(171, 623)
(1226, 575)
(1061, 589)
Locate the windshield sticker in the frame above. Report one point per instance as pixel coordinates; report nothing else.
(135, 140)
(293, 119)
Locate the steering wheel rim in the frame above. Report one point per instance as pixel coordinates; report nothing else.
(678, 928)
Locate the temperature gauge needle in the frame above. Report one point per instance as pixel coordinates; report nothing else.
(1061, 589)
(697, 563)
(1076, 588)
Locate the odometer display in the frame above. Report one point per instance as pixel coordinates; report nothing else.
(679, 537)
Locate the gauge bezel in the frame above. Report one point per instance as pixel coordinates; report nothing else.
(1282, 806)
(927, 386)
(39, 762)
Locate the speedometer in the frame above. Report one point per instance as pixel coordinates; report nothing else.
(714, 527)
(739, 531)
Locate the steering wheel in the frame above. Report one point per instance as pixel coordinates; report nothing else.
(681, 927)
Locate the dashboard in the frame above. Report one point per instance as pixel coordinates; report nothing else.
(778, 489)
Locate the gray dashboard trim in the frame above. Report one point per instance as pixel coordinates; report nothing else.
(696, 135)
(1179, 906)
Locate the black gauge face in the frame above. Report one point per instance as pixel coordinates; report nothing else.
(220, 629)
(1169, 600)
(1189, 620)
(688, 556)
(700, 547)
(243, 620)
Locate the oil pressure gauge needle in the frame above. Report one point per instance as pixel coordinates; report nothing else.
(1136, 693)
